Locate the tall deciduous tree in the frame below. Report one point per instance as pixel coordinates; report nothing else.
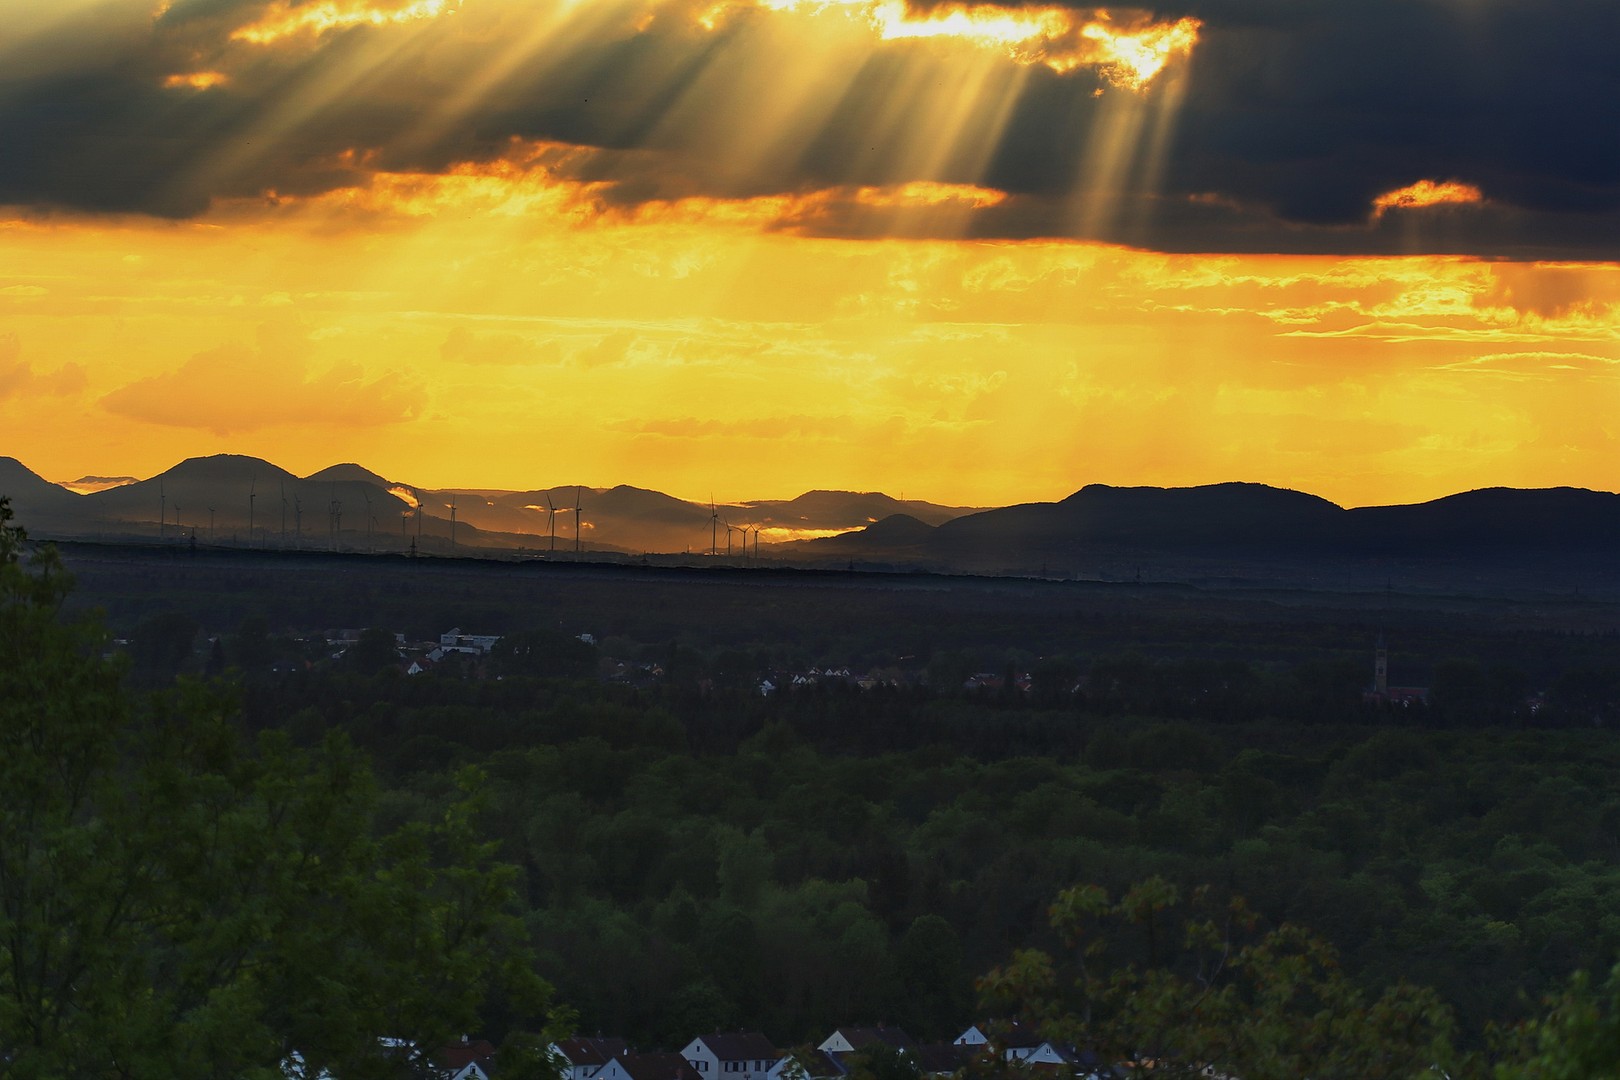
(1577, 1038)
(1182, 986)
(176, 901)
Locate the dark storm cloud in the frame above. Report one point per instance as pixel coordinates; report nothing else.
(1295, 115)
(1315, 115)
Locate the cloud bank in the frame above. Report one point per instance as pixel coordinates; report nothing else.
(1390, 126)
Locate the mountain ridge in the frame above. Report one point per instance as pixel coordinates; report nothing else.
(235, 498)
(220, 497)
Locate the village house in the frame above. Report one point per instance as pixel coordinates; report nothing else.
(849, 1039)
(469, 1059)
(1018, 1041)
(581, 1058)
(1024, 1045)
(742, 1055)
(471, 644)
(657, 1066)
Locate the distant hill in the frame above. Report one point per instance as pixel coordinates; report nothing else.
(1236, 528)
(848, 509)
(1218, 515)
(1531, 519)
(235, 486)
(220, 497)
(1232, 529)
(348, 473)
(1503, 541)
(640, 520)
(895, 535)
(36, 503)
(236, 499)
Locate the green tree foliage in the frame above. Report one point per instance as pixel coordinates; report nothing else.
(930, 989)
(543, 654)
(161, 646)
(373, 651)
(1177, 986)
(879, 1061)
(178, 901)
(1577, 1037)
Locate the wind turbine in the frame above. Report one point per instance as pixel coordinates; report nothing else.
(714, 528)
(253, 493)
(452, 522)
(298, 520)
(577, 509)
(551, 509)
(728, 538)
(163, 510)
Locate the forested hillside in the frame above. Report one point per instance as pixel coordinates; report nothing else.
(680, 850)
(800, 868)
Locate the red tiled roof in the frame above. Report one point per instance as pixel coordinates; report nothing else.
(460, 1054)
(657, 1067)
(941, 1057)
(858, 1037)
(581, 1050)
(740, 1046)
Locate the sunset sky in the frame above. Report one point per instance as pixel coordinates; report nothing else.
(977, 254)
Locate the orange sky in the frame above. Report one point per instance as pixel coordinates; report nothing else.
(509, 321)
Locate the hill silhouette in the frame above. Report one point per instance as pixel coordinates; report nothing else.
(1216, 515)
(824, 509)
(349, 473)
(1531, 519)
(238, 499)
(1231, 529)
(236, 486)
(895, 535)
(37, 503)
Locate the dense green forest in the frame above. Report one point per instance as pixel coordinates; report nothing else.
(801, 869)
(691, 855)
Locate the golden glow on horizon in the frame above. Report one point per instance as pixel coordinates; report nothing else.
(1427, 193)
(424, 324)
(781, 534)
(285, 18)
(88, 485)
